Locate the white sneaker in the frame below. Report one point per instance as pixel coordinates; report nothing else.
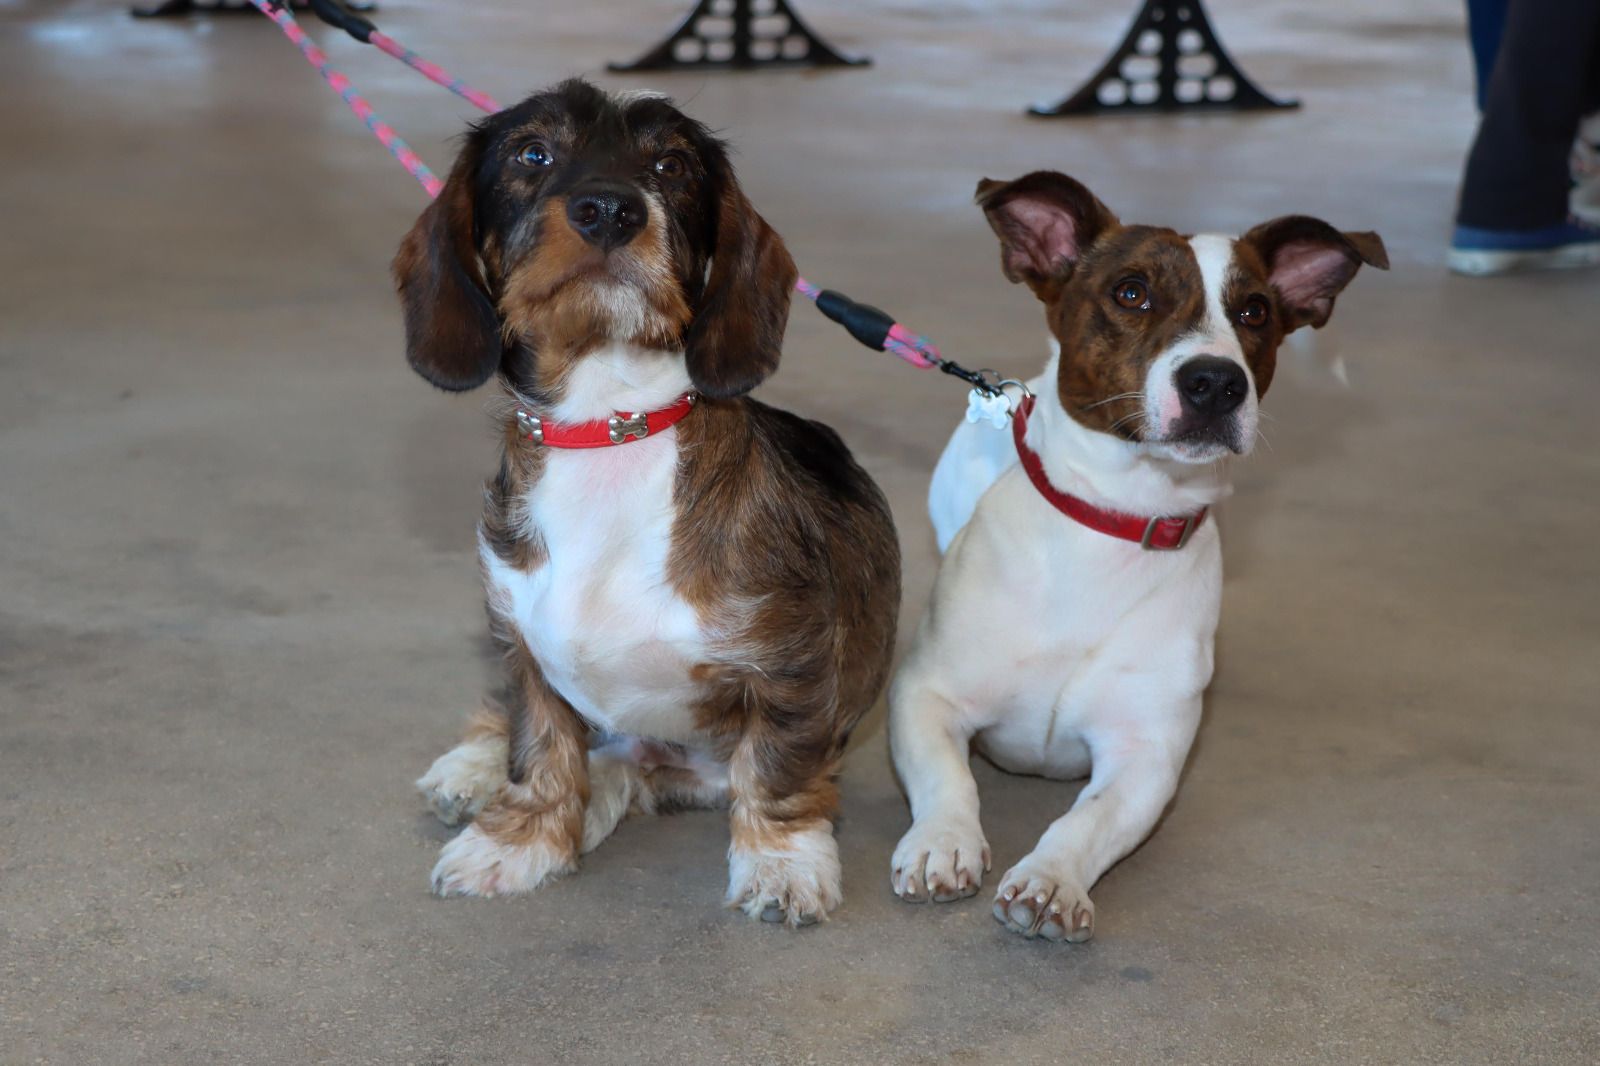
(1486, 252)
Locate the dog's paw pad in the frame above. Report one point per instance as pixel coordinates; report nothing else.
(939, 861)
(1037, 904)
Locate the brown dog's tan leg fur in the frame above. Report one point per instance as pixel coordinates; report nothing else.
(462, 780)
(531, 830)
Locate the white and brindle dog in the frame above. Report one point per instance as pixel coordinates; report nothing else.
(1071, 624)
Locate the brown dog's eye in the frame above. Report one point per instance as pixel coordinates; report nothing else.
(536, 154)
(670, 166)
(1254, 312)
(1132, 294)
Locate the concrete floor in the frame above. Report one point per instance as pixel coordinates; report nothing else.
(239, 608)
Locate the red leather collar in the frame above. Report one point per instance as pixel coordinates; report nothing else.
(1152, 534)
(602, 433)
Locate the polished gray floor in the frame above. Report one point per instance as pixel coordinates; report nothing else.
(239, 607)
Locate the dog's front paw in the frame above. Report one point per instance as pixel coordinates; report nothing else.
(1034, 901)
(797, 884)
(476, 863)
(463, 779)
(941, 859)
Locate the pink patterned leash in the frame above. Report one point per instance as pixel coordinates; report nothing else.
(358, 103)
(433, 72)
(874, 328)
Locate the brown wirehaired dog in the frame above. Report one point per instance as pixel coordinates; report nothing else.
(696, 593)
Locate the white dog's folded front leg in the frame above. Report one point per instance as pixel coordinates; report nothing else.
(943, 856)
(1047, 893)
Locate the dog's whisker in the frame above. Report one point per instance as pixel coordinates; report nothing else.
(1125, 419)
(1112, 399)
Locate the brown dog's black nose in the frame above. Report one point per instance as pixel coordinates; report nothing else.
(1212, 387)
(607, 216)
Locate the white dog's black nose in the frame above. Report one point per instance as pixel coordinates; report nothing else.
(607, 216)
(1212, 387)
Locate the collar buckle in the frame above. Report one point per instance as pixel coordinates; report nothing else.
(637, 427)
(1147, 542)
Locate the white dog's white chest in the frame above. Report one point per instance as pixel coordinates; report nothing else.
(599, 615)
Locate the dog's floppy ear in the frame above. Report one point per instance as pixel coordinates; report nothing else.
(737, 334)
(1044, 221)
(1309, 263)
(452, 331)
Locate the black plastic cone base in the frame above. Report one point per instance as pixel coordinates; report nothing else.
(175, 8)
(740, 35)
(1170, 61)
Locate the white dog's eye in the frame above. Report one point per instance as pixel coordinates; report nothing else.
(536, 154)
(1132, 294)
(1254, 312)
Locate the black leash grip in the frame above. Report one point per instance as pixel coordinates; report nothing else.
(866, 323)
(336, 14)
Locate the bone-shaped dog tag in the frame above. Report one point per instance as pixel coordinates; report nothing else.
(992, 408)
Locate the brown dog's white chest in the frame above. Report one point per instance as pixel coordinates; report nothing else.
(599, 614)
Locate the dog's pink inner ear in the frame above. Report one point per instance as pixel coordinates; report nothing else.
(1309, 274)
(1306, 270)
(1040, 238)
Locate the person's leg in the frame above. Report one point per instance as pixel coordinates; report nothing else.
(1515, 212)
(1517, 176)
(1486, 20)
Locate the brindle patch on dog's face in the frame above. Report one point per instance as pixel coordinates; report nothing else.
(1133, 294)
(1260, 316)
